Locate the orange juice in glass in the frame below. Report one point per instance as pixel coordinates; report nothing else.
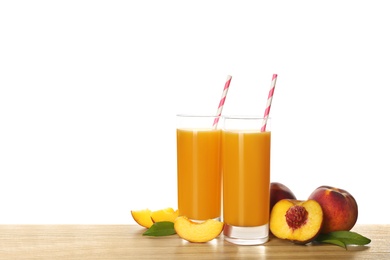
(246, 180)
(198, 167)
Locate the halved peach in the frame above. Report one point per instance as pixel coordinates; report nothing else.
(296, 220)
(167, 214)
(143, 217)
(197, 232)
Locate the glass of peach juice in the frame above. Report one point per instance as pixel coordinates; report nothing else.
(198, 167)
(246, 180)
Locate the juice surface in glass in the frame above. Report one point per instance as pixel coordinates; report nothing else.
(199, 173)
(246, 177)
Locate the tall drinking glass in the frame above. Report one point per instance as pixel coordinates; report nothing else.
(198, 167)
(246, 180)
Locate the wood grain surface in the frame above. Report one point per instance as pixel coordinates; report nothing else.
(127, 242)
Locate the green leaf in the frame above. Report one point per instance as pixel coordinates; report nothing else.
(158, 229)
(343, 238)
(331, 241)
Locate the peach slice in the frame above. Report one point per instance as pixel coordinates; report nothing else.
(296, 220)
(143, 217)
(197, 232)
(167, 214)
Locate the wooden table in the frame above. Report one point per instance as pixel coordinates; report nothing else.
(127, 242)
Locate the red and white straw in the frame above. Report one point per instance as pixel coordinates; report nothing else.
(222, 101)
(269, 102)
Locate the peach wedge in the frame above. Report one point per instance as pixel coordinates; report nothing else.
(143, 217)
(167, 214)
(197, 232)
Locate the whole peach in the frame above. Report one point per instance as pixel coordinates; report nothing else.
(339, 207)
(279, 191)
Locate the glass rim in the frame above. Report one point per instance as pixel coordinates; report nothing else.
(223, 116)
(196, 115)
(245, 117)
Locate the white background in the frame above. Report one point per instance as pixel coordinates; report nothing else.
(89, 91)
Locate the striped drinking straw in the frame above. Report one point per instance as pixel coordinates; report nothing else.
(222, 101)
(269, 102)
